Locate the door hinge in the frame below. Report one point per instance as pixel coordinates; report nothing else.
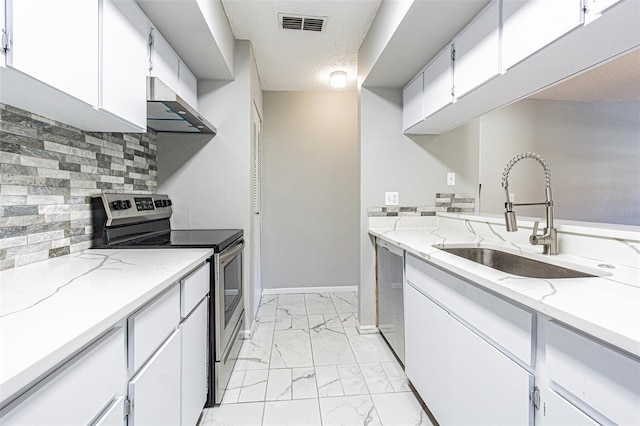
(534, 397)
(453, 53)
(128, 407)
(585, 6)
(151, 41)
(6, 42)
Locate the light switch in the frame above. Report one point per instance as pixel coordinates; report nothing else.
(451, 179)
(390, 198)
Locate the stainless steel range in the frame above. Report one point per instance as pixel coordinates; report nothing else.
(142, 221)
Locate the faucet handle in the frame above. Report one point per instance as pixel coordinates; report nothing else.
(534, 238)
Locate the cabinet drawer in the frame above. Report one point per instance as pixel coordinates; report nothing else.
(499, 320)
(194, 288)
(150, 326)
(77, 391)
(603, 378)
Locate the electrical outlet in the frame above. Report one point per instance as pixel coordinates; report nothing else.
(512, 197)
(390, 198)
(451, 179)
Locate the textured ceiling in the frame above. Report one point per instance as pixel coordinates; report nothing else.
(615, 81)
(290, 60)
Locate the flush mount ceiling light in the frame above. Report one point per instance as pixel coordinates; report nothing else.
(338, 79)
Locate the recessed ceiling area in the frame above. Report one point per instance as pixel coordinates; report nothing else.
(290, 60)
(615, 81)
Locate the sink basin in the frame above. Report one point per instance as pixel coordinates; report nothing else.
(512, 263)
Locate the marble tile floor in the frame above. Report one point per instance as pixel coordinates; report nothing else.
(306, 364)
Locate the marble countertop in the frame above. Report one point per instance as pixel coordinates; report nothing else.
(51, 309)
(606, 307)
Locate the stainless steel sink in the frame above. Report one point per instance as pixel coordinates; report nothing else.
(512, 263)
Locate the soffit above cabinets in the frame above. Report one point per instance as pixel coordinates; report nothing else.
(198, 30)
(425, 29)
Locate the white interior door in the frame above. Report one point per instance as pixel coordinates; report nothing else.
(256, 213)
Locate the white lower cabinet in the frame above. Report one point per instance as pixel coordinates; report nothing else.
(461, 377)
(477, 358)
(155, 390)
(77, 392)
(194, 364)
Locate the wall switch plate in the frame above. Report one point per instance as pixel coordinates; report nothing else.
(390, 198)
(451, 179)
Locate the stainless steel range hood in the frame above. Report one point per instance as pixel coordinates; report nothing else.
(169, 113)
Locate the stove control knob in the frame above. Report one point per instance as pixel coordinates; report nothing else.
(158, 203)
(120, 205)
(168, 203)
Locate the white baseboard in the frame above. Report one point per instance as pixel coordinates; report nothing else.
(248, 334)
(328, 289)
(367, 329)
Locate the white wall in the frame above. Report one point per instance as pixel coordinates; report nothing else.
(209, 180)
(310, 190)
(416, 169)
(593, 150)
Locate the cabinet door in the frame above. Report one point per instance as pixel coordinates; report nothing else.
(125, 33)
(529, 25)
(557, 411)
(194, 364)
(461, 377)
(477, 48)
(164, 61)
(438, 82)
(155, 390)
(56, 42)
(412, 102)
(187, 85)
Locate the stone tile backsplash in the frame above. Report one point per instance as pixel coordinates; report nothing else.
(455, 203)
(48, 172)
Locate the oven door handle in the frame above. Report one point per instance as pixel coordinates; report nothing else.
(231, 252)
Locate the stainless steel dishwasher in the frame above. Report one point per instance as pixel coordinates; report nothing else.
(390, 295)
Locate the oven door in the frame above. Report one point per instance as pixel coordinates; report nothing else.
(229, 303)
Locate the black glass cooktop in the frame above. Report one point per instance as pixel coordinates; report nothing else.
(217, 239)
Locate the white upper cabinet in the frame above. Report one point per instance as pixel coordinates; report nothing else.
(438, 82)
(124, 61)
(530, 25)
(412, 102)
(164, 61)
(56, 42)
(477, 51)
(596, 7)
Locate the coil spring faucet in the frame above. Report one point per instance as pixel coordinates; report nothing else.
(549, 237)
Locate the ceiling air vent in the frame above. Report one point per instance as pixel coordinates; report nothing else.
(302, 23)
